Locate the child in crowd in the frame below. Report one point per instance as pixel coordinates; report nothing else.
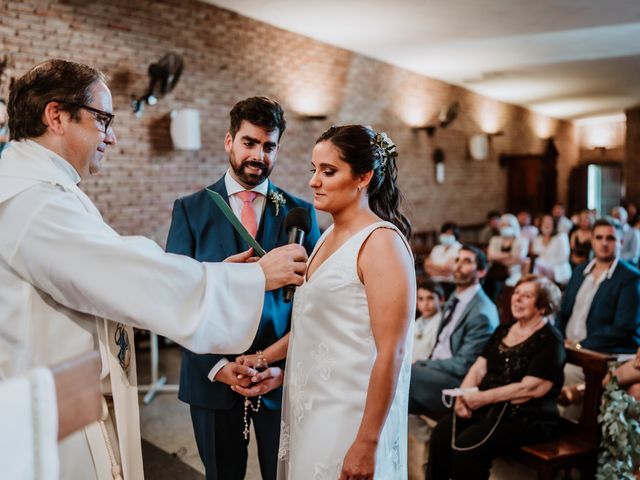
(430, 300)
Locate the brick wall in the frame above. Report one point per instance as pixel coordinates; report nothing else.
(229, 57)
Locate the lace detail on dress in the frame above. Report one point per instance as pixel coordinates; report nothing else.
(301, 400)
(283, 449)
(323, 471)
(323, 363)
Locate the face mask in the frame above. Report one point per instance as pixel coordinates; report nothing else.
(507, 232)
(447, 239)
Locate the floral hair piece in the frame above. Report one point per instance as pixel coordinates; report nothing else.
(384, 149)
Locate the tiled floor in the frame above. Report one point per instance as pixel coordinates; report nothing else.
(166, 426)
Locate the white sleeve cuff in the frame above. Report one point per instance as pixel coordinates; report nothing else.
(216, 368)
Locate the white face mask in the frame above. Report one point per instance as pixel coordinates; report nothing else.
(447, 239)
(507, 232)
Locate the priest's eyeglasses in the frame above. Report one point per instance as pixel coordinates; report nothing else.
(105, 119)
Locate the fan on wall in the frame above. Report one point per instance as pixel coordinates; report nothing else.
(163, 77)
(445, 118)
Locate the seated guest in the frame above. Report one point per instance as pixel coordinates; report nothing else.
(491, 229)
(630, 237)
(580, 240)
(564, 224)
(527, 230)
(632, 210)
(440, 263)
(506, 253)
(430, 299)
(518, 377)
(601, 305)
(552, 252)
(468, 321)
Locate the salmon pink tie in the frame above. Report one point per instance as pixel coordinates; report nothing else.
(248, 214)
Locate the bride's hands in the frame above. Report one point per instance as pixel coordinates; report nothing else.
(254, 361)
(265, 381)
(360, 461)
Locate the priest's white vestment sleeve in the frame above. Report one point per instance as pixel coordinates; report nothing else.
(83, 264)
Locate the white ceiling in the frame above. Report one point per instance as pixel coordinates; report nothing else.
(563, 58)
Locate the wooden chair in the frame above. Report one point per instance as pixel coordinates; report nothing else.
(576, 446)
(504, 304)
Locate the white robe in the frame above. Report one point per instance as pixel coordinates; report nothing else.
(29, 433)
(63, 270)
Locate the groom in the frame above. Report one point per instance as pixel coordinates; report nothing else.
(200, 230)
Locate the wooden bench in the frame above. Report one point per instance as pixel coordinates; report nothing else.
(576, 446)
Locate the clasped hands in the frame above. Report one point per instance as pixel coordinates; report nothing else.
(243, 376)
(467, 403)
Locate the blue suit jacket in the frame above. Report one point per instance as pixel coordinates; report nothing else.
(613, 322)
(475, 326)
(201, 231)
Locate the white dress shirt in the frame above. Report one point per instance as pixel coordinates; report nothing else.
(576, 330)
(425, 333)
(236, 204)
(259, 202)
(442, 351)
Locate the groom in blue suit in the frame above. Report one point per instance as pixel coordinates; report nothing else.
(200, 230)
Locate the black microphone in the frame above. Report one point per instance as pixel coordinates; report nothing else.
(297, 225)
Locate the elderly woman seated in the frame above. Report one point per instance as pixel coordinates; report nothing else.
(508, 397)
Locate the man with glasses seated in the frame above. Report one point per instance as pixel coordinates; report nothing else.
(69, 284)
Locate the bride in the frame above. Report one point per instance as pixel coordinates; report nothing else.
(344, 411)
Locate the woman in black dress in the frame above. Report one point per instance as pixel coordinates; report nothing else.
(518, 377)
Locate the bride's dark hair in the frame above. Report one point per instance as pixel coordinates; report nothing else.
(365, 150)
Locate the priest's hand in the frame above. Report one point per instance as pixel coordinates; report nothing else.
(78, 392)
(235, 374)
(284, 266)
(265, 381)
(243, 257)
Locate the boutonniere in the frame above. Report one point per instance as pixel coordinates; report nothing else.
(277, 199)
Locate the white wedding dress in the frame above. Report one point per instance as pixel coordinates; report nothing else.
(331, 354)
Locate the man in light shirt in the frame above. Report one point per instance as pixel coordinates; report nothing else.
(468, 320)
(600, 309)
(200, 230)
(601, 304)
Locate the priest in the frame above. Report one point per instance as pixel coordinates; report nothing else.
(70, 284)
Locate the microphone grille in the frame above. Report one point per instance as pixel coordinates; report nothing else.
(298, 217)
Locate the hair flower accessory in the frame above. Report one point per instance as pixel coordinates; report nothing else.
(278, 200)
(384, 148)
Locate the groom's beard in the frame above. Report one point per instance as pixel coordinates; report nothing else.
(250, 178)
